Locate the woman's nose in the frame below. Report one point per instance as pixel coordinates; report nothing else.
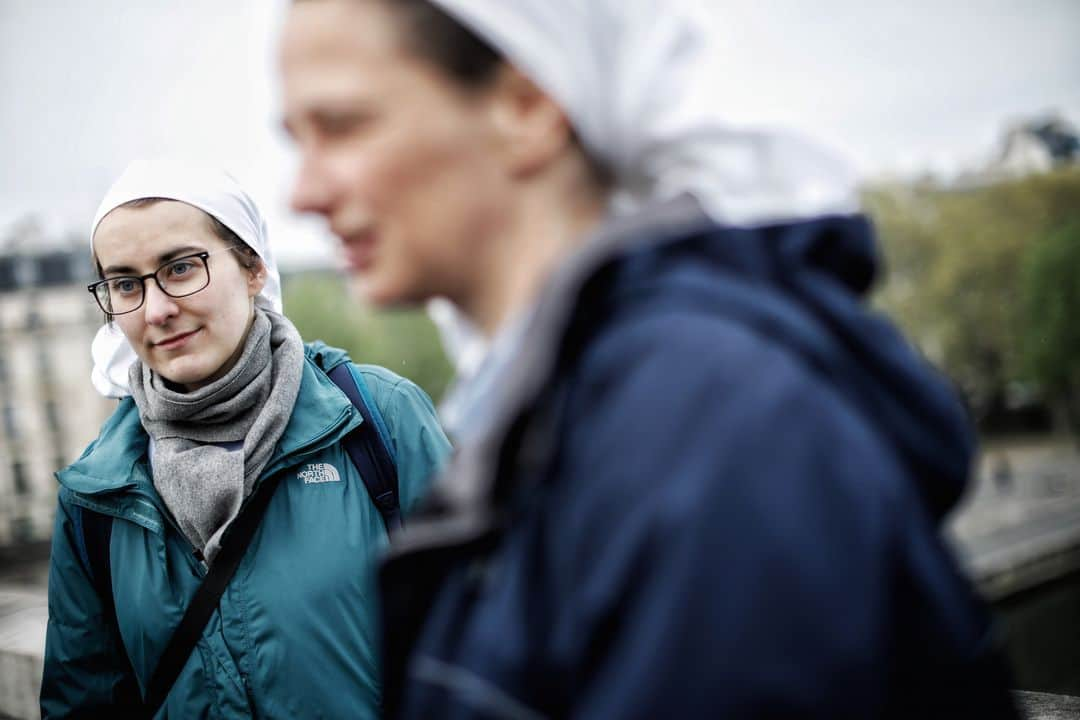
(311, 189)
(157, 306)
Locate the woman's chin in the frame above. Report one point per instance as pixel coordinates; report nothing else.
(185, 376)
(366, 289)
(384, 292)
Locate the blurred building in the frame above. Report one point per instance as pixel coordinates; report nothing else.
(1037, 146)
(48, 409)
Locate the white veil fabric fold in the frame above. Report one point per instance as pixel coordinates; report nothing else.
(633, 77)
(213, 191)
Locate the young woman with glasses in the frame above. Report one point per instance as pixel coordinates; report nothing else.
(220, 395)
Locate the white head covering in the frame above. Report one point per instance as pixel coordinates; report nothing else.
(211, 190)
(635, 79)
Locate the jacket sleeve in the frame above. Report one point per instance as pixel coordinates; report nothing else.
(747, 546)
(420, 445)
(86, 671)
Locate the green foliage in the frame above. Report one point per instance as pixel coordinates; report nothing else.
(404, 341)
(955, 283)
(1051, 302)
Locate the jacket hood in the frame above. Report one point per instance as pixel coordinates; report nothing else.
(803, 285)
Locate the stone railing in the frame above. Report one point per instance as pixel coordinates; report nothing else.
(1043, 706)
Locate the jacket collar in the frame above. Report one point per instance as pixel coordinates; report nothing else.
(116, 461)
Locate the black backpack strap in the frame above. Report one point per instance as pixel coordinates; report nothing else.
(234, 545)
(368, 450)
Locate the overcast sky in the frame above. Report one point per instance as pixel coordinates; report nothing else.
(898, 87)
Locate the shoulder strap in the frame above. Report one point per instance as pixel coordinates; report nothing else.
(369, 448)
(234, 545)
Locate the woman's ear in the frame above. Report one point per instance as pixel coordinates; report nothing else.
(256, 276)
(533, 129)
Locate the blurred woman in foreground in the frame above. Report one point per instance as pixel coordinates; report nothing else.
(697, 476)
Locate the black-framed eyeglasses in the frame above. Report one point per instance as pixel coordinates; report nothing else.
(177, 278)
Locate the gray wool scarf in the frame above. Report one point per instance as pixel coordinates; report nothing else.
(210, 445)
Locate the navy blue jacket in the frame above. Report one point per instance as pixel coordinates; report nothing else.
(720, 498)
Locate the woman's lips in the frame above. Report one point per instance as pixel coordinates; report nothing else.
(175, 342)
(359, 250)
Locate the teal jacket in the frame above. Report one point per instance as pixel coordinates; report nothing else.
(296, 631)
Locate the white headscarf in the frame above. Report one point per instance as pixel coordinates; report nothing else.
(211, 190)
(635, 79)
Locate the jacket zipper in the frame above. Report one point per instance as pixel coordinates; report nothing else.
(200, 567)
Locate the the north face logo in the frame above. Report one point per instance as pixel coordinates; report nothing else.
(319, 473)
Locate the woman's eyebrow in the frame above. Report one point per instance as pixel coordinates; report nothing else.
(162, 259)
(179, 252)
(118, 269)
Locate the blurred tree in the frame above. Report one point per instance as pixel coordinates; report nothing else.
(404, 341)
(1051, 302)
(954, 259)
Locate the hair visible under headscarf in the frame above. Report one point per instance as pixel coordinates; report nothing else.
(211, 190)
